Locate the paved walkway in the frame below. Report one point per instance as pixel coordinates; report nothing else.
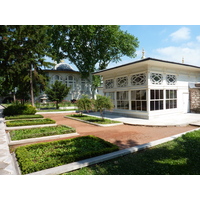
(164, 120)
(6, 162)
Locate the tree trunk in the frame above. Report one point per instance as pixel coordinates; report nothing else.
(31, 86)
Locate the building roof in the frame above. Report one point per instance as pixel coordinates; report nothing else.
(147, 60)
(63, 67)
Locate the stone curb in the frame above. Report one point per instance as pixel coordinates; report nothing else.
(31, 126)
(40, 139)
(87, 162)
(102, 125)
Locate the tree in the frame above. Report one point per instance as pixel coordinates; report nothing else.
(57, 92)
(23, 49)
(103, 103)
(92, 47)
(84, 104)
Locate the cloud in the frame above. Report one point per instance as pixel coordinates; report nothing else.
(198, 38)
(173, 53)
(180, 35)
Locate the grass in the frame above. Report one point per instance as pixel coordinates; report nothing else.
(23, 117)
(178, 157)
(29, 122)
(55, 110)
(40, 132)
(36, 157)
(93, 119)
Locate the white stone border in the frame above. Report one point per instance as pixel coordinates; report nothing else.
(26, 127)
(39, 139)
(87, 162)
(102, 125)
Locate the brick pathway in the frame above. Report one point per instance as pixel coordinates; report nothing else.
(124, 136)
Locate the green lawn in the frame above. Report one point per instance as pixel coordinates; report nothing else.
(93, 119)
(36, 157)
(23, 117)
(178, 157)
(40, 132)
(29, 122)
(55, 110)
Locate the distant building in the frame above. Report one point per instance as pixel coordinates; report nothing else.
(151, 87)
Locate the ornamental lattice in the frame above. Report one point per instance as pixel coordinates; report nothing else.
(138, 79)
(122, 81)
(109, 84)
(171, 79)
(156, 78)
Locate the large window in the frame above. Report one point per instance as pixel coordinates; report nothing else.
(171, 99)
(111, 95)
(70, 82)
(109, 83)
(156, 78)
(138, 100)
(138, 79)
(156, 100)
(122, 81)
(122, 100)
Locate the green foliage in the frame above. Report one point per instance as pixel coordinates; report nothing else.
(36, 157)
(19, 109)
(29, 122)
(40, 132)
(178, 157)
(84, 104)
(94, 119)
(103, 103)
(57, 92)
(23, 117)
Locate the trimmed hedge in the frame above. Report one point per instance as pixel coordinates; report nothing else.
(36, 157)
(29, 122)
(23, 117)
(19, 109)
(40, 132)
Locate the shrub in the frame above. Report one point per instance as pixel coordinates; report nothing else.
(41, 156)
(19, 109)
(23, 117)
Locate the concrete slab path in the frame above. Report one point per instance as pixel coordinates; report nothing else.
(6, 162)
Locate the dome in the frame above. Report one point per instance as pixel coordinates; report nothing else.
(63, 67)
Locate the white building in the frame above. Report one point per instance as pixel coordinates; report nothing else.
(152, 87)
(67, 75)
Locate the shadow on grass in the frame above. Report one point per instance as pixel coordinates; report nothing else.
(178, 157)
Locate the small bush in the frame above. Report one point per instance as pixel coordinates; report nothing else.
(19, 109)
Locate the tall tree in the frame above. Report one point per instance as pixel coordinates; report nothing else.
(22, 53)
(93, 47)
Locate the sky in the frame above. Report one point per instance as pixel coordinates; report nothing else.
(166, 42)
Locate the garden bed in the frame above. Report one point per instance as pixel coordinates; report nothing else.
(29, 122)
(23, 117)
(36, 157)
(40, 132)
(94, 120)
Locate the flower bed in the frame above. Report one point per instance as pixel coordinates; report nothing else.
(40, 132)
(29, 122)
(36, 157)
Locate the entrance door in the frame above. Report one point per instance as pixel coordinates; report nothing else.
(186, 107)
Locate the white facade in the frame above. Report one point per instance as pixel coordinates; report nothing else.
(150, 87)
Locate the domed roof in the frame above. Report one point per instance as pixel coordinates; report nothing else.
(63, 67)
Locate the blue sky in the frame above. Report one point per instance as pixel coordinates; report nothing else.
(167, 42)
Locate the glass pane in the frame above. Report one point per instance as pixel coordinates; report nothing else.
(152, 107)
(161, 94)
(161, 105)
(143, 94)
(133, 105)
(138, 105)
(138, 95)
(157, 94)
(167, 104)
(157, 105)
(132, 95)
(144, 106)
(152, 94)
(167, 94)
(171, 94)
(175, 94)
(175, 103)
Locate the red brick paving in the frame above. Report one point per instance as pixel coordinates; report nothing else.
(124, 136)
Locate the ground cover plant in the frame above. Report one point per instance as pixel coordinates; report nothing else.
(36, 157)
(178, 157)
(40, 132)
(55, 110)
(93, 119)
(23, 117)
(29, 122)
